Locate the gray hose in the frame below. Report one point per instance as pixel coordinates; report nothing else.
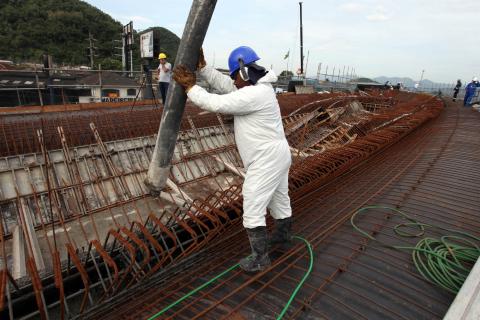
(187, 55)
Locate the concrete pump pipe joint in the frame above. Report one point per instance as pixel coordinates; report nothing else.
(187, 55)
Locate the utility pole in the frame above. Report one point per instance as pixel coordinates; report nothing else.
(38, 87)
(421, 78)
(131, 61)
(127, 37)
(319, 70)
(91, 48)
(288, 59)
(47, 66)
(122, 55)
(301, 39)
(306, 66)
(124, 58)
(124, 51)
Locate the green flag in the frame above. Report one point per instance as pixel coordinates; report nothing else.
(286, 56)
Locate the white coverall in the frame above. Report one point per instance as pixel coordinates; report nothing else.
(260, 140)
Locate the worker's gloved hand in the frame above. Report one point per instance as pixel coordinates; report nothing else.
(201, 60)
(184, 77)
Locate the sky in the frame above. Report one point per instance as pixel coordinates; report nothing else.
(375, 37)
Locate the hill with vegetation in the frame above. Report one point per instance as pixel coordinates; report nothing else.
(410, 83)
(31, 28)
(364, 80)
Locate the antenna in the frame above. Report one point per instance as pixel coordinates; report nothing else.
(301, 39)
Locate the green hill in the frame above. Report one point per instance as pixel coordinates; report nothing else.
(30, 28)
(364, 80)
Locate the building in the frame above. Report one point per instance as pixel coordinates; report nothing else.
(108, 87)
(27, 88)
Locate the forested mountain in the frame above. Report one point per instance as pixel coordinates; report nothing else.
(30, 28)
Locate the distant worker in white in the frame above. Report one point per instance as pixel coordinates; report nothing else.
(248, 95)
(164, 75)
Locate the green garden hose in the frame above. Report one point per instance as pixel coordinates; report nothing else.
(445, 261)
(285, 308)
(305, 276)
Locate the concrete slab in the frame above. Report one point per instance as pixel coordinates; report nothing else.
(466, 305)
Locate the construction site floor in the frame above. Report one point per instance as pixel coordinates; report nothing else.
(433, 174)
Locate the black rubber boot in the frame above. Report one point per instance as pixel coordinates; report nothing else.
(259, 259)
(282, 232)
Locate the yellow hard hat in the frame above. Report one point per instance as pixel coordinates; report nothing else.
(162, 56)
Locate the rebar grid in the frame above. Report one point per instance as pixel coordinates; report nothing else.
(353, 278)
(149, 236)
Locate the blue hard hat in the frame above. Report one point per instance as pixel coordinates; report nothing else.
(245, 53)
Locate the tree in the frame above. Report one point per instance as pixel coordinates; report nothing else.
(286, 73)
(59, 28)
(110, 64)
(365, 80)
(30, 28)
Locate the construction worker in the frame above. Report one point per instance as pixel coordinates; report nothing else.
(248, 95)
(164, 75)
(456, 90)
(470, 91)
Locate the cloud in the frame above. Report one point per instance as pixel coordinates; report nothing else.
(139, 22)
(377, 17)
(424, 27)
(140, 19)
(176, 28)
(351, 7)
(379, 14)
